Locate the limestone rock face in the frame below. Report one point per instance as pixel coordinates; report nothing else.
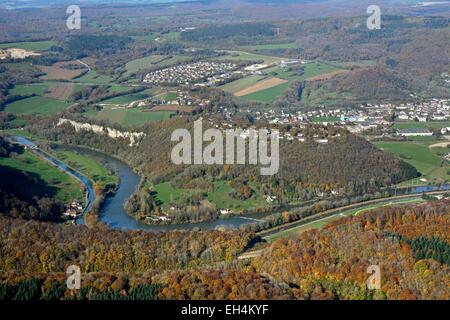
(134, 137)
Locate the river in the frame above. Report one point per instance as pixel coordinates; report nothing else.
(113, 212)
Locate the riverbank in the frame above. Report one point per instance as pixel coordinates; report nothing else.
(325, 217)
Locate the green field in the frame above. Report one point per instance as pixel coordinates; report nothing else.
(325, 119)
(93, 77)
(419, 155)
(88, 167)
(271, 94)
(26, 89)
(142, 63)
(220, 197)
(128, 98)
(310, 70)
(36, 105)
(129, 117)
(267, 95)
(171, 96)
(242, 83)
(421, 125)
(38, 46)
(67, 187)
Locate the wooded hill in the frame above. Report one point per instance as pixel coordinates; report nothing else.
(410, 244)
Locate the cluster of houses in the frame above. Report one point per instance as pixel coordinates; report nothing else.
(433, 110)
(154, 218)
(191, 74)
(73, 210)
(370, 116)
(319, 137)
(183, 98)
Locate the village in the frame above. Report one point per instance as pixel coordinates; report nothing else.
(73, 210)
(191, 74)
(370, 116)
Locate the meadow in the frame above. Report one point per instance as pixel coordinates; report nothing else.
(128, 98)
(142, 64)
(67, 187)
(36, 105)
(88, 166)
(38, 46)
(242, 83)
(421, 125)
(310, 71)
(425, 159)
(267, 95)
(220, 197)
(92, 77)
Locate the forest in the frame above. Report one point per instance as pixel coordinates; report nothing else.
(409, 243)
(306, 169)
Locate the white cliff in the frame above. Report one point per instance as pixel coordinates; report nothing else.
(134, 137)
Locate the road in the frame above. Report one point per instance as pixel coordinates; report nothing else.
(330, 215)
(333, 213)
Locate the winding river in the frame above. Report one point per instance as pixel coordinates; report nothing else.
(113, 212)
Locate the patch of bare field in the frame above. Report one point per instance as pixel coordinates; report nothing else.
(262, 85)
(60, 91)
(16, 53)
(58, 72)
(328, 75)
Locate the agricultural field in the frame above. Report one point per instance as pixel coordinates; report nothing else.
(128, 116)
(27, 89)
(143, 63)
(60, 91)
(242, 83)
(261, 86)
(220, 197)
(128, 98)
(311, 71)
(421, 125)
(92, 77)
(88, 166)
(61, 71)
(67, 188)
(324, 119)
(254, 88)
(423, 157)
(268, 95)
(38, 46)
(53, 90)
(36, 105)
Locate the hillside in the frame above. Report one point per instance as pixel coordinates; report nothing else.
(410, 244)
